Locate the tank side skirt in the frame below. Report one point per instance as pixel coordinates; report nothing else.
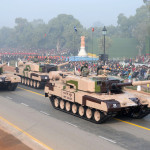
(86, 98)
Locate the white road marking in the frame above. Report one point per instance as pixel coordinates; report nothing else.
(25, 104)
(108, 139)
(44, 113)
(8, 97)
(71, 124)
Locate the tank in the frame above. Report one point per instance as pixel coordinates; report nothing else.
(95, 98)
(35, 74)
(8, 81)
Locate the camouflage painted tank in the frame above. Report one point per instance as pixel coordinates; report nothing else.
(8, 81)
(95, 98)
(35, 74)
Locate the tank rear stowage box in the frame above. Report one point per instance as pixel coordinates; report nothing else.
(95, 98)
(35, 74)
(8, 81)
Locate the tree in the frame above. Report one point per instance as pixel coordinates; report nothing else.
(108, 42)
(61, 32)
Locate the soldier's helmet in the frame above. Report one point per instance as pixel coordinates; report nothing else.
(86, 65)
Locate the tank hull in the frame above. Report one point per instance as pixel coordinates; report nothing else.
(136, 112)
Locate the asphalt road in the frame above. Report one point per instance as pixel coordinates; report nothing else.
(28, 109)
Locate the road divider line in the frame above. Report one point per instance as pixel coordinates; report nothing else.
(133, 124)
(71, 124)
(25, 104)
(107, 139)
(44, 113)
(31, 91)
(27, 134)
(114, 118)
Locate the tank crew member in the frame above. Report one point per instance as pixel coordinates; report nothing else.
(1, 70)
(100, 70)
(85, 70)
(35, 60)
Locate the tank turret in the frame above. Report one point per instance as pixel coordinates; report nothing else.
(95, 98)
(115, 85)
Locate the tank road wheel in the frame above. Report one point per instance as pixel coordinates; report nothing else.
(62, 104)
(68, 106)
(97, 116)
(28, 82)
(81, 111)
(22, 81)
(89, 113)
(34, 84)
(31, 83)
(74, 108)
(38, 85)
(25, 81)
(56, 103)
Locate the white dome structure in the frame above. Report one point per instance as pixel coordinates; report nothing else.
(82, 52)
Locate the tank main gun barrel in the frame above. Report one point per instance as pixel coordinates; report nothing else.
(63, 64)
(140, 82)
(135, 83)
(2, 65)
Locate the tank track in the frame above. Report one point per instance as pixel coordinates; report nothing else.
(32, 83)
(141, 113)
(103, 116)
(12, 86)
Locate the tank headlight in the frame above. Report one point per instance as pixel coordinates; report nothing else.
(114, 105)
(2, 79)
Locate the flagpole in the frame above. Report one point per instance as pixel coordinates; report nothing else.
(75, 30)
(92, 48)
(92, 51)
(74, 45)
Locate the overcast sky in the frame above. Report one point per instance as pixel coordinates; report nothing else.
(86, 11)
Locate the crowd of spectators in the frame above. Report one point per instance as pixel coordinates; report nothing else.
(116, 68)
(125, 67)
(31, 51)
